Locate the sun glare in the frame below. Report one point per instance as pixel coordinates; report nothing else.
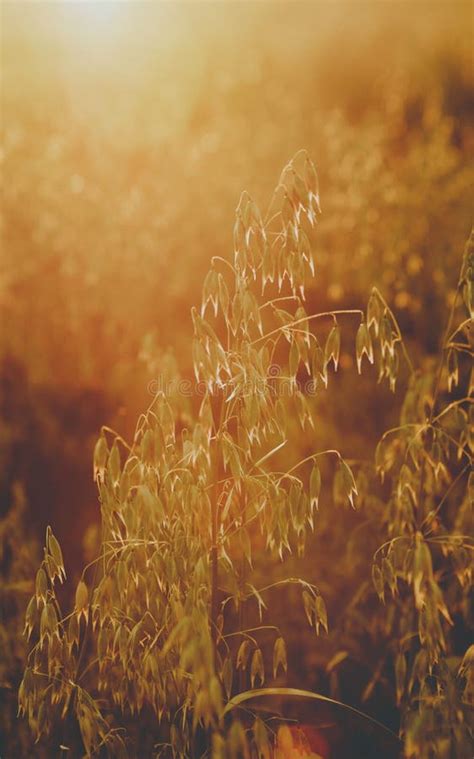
(101, 19)
(113, 29)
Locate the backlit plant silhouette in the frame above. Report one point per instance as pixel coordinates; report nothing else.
(159, 622)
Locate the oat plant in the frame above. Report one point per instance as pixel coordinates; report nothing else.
(158, 634)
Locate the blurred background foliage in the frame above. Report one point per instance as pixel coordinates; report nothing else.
(129, 131)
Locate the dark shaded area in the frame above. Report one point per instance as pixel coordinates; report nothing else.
(330, 730)
(46, 443)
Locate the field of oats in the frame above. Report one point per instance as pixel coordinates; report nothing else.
(130, 131)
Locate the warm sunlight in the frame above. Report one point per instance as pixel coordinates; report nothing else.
(111, 37)
(95, 26)
(97, 13)
(236, 380)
